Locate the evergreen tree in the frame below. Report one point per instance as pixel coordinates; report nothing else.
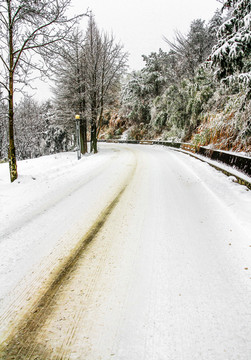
(215, 23)
(231, 54)
(136, 96)
(156, 71)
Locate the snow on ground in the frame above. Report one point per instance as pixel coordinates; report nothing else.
(167, 277)
(44, 203)
(223, 166)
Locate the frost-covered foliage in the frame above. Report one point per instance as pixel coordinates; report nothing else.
(179, 109)
(176, 109)
(37, 130)
(226, 123)
(192, 49)
(88, 74)
(136, 94)
(215, 23)
(168, 95)
(231, 55)
(177, 95)
(28, 128)
(54, 140)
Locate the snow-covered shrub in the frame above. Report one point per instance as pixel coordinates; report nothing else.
(28, 126)
(54, 140)
(226, 124)
(173, 135)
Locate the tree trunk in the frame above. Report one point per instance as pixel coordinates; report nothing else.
(12, 152)
(83, 136)
(94, 147)
(94, 122)
(100, 118)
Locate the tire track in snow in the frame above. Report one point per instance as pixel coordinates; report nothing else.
(14, 305)
(176, 290)
(21, 344)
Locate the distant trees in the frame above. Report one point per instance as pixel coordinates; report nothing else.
(191, 50)
(28, 128)
(177, 95)
(37, 130)
(169, 94)
(26, 28)
(135, 97)
(141, 87)
(36, 35)
(215, 23)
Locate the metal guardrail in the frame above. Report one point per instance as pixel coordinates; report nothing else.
(238, 162)
(147, 142)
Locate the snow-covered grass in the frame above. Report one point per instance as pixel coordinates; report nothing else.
(220, 165)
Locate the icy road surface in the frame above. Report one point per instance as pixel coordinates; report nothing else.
(138, 253)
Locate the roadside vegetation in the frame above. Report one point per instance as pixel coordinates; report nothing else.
(195, 90)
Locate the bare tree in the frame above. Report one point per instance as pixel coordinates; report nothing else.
(69, 68)
(27, 27)
(88, 76)
(105, 62)
(93, 46)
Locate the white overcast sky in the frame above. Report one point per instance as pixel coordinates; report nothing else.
(140, 24)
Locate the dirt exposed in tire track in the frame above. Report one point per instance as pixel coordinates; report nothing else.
(22, 343)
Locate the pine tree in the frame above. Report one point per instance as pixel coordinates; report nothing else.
(215, 23)
(231, 54)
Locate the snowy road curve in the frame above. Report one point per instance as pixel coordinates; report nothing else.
(142, 254)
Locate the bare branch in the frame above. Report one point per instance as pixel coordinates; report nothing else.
(4, 85)
(36, 32)
(16, 14)
(3, 20)
(4, 62)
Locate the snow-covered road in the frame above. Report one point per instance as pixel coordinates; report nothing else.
(138, 253)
